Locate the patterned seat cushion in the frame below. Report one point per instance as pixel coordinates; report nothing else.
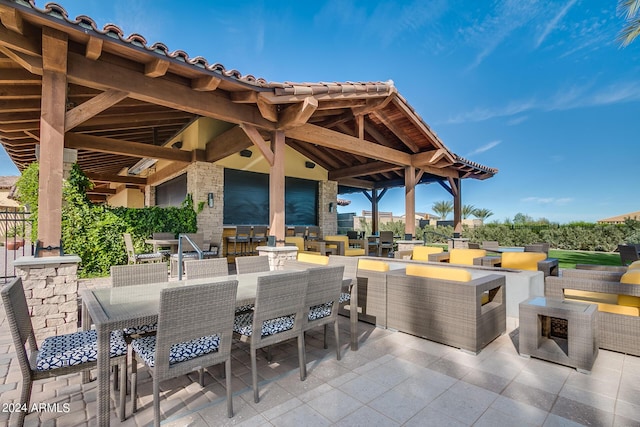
(320, 311)
(149, 256)
(243, 324)
(146, 348)
(344, 297)
(75, 349)
(243, 308)
(143, 329)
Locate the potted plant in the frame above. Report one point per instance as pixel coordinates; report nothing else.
(15, 238)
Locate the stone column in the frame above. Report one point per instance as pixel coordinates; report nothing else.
(328, 221)
(278, 254)
(204, 178)
(51, 287)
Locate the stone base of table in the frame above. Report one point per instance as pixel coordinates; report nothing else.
(408, 245)
(559, 331)
(278, 255)
(51, 287)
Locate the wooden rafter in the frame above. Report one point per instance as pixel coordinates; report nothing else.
(226, 144)
(361, 170)
(85, 111)
(297, 114)
(259, 142)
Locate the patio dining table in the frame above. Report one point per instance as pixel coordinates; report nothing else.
(112, 309)
(162, 243)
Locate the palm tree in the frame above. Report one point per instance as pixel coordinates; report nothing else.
(631, 11)
(443, 208)
(482, 214)
(467, 211)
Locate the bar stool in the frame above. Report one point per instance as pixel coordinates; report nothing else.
(242, 236)
(259, 236)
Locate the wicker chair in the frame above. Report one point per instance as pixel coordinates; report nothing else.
(323, 296)
(313, 232)
(59, 355)
(628, 254)
(349, 294)
(252, 264)
(203, 268)
(140, 274)
(189, 252)
(385, 243)
(138, 258)
(165, 251)
(278, 316)
(191, 335)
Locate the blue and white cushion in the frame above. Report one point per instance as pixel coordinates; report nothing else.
(243, 324)
(140, 330)
(320, 311)
(75, 349)
(154, 255)
(146, 348)
(344, 297)
(243, 308)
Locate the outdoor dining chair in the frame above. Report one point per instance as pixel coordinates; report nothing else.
(252, 264)
(194, 331)
(138, 274)
(322, 302)
(58, 355)
(258, 237)
(385, 243)
(190, 252)
(165, 251)
(242, 238)
(135, 258)
(203, 268)
(278, 316)
(628, 254)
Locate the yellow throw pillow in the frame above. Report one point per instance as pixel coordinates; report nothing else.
(635, 265)
(465, 256)
(313, 258)
(632, 278)
(443, 273)
(421, 253)
(522, 260)
(371, 265)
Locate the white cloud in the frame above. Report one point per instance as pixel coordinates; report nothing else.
(554, 22)
(547, 200)
(484, 148)
(565, 99)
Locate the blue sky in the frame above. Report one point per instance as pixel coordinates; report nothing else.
(538, 89)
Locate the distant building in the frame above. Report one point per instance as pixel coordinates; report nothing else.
(620, 218)
(6, 187)
(359, 221)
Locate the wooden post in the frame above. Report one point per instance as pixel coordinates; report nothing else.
(276, 187)
(52, 119)
(457, 205)
(374, 211)
(410, 200)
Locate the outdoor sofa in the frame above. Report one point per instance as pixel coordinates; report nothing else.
(446, 305)
(618, 306)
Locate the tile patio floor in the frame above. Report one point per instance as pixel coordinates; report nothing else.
(394, 379)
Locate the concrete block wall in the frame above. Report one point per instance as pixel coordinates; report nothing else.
(204, 178)
(328, 221)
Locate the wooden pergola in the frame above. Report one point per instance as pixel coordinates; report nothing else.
(67, 83)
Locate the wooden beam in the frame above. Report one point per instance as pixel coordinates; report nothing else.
(276, 187)
(11, 19)
(339, 141)
(125, 148)
(19, 76)
(259, 142)
(422, 127)
(374, 104)
(19, 43)
(90, 108)
(397, 130)
(101, 190)
(124, 179)
(297, 114)
(226, 144)
(360, 170)
(156, 68)
(54, 48)
(29, 63)
(360, 127)
(101, 75)
(244, 97)
(435, 158)
(167, 172)
(207, 83)
(94, 48)
(357, 183)
(268, 111)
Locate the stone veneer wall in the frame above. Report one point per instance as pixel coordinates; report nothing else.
(204, 178)
(328, 221)
(51, 287)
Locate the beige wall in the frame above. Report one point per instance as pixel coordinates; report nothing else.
(127, 197)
